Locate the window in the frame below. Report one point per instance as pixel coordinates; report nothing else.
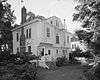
(42, 52)
(67, 39)
(72, 46)
(57, 39)
(72, 40)
(56, 23)
(30, 33)
(17, 37)
(48, 32)
(64, 52)
(75, 46)
(51, 22)
(27, 33)
(29, 49)
(49, 52)
(57, 51)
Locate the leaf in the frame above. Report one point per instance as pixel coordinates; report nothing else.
(76, 16)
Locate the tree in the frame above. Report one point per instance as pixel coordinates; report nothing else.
(6, 20)
(88, 13)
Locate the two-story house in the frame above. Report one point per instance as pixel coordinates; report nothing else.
(42, 37)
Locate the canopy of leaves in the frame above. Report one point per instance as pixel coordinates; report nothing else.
(88, 13)
(6, 19)
(6, 14)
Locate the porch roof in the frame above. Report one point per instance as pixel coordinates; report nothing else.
(46, 44)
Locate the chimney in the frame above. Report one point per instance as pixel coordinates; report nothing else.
(23, 15)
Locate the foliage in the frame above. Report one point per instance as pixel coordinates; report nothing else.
(88, 13)
(15, 67)
(85, 36)
(6, 14)
(26, 57)
(7, 56)
(79, 53)
(89, 75)
(61, 61)
(93, 73)
(73, 54)
(51, 65)
(18, 72)
(6, 19)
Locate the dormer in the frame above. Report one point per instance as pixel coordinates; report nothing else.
(55, 21)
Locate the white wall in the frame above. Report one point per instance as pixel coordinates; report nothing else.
(16, 44)
(39, 35)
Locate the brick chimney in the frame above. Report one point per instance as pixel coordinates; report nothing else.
(23, 15)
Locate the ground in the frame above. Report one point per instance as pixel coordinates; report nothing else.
(62, 73)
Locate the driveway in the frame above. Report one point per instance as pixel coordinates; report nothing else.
(63, 73)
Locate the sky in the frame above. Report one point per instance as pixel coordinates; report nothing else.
(63, 9)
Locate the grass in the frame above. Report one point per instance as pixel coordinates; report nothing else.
(62, 73)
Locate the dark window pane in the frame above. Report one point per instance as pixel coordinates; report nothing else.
(42, 52)
(57, 51)
(48, 32)
(27, 33)
(68, 39)
(57, 39)
(17, 37)
(49, 52)
(30, 33)
(29, 49)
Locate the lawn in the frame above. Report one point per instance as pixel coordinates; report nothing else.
(62, 73)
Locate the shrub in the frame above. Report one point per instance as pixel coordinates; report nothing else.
(61, 61)
(27, 56)
(12, 68)
(18, 72)
(72, 59)
(89, 75)
(93, 73)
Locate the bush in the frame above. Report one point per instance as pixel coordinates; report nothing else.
(89, 75)
(12, 68)
(61, 61)
(72, 59)
(18, 72)
(6, 55)
(27, 56)
(93, 73)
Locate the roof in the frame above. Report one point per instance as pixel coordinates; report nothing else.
(32, 21)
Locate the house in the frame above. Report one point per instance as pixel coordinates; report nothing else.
(40, 36)
(76, 43)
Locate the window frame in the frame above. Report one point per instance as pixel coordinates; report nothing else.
(48, 32)
(57, 39)
(67, 39)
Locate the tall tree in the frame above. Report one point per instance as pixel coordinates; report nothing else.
(88, 13)
(6, 19)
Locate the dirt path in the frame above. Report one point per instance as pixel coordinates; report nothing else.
(63, 73)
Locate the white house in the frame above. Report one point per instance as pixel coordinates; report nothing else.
(43, 37)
